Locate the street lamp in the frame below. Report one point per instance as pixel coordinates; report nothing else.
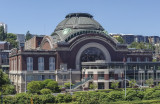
(70, 79)
(134, 73)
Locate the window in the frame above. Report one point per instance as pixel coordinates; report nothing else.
(129, 59)
(146, 59)
(138, 59)
(30, 78)
(52, 64)
(51, 77)
(100, 75)
(19, 65)
(90, 74)
(29, 63)
(41, 77)
(40, 63)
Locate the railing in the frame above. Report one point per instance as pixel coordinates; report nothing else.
(82, 82)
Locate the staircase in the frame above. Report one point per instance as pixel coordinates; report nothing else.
(84, 81)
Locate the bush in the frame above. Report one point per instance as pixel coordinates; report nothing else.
(52, 85)
(148, 94)
(23, 98)
(34, 86)
(46, 99)
(9, 89)
(9, 100)
(115, 96)
(45, 91)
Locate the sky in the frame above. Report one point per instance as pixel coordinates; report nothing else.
(139, 17)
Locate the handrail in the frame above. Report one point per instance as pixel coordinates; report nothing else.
(81, 82)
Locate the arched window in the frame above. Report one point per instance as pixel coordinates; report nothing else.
(40, 63)
(146, 59)
(52, 64)
(29, 63)
(138, 59)
(129, 59)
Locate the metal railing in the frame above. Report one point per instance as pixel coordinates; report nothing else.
(81, 82)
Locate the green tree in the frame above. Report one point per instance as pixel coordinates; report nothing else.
(12, 39)
(132, 83)
(133, 45)
(149, 82)
(52, 85)
(93, 86)
(67, 85)
(34, 87)
(28, 35)
(3, 35)
(3, 78)
(120, 39)
(115, 84)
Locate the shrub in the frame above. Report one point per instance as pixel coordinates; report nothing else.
(45, 91)
(9, 100)
(148, 94)
(52, 85)
(46, 99)
(9, 89)
(34, 86)
(23, 98)
(115, 96)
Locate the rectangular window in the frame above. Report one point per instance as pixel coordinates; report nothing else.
(52, 64)
(51, 77)
(100, 75)
(90, 74)
(41, 64)
(29, 64)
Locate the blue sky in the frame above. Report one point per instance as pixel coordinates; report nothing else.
(139, 17)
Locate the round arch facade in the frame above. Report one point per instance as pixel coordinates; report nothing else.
(88, 45)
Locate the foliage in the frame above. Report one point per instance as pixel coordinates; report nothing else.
(52, 85)
(141, 45)
(28, 35)
(9, 89)
(3, 78)
(114, 84)
(3, 35)
(149, 82)
(45, 91)
(34, 87)
(148, 94)
(120, 39)
(63, 98)
(12, 39)
(93, 86)
(67, 85)
(132, 83)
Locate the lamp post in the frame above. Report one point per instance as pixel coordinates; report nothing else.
(70, 79)
(134, 73)
(125, 78)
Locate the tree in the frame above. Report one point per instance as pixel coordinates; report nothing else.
(132, 83)
(93, 86)
(52, 85)
(67, 85)
(28, 35)
(120, 39)
(115, 84)
(3, 35)
(3, 79)
(149, 82)
(34, 87)
(12, 39)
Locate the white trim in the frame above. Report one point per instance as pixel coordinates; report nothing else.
(88, 45)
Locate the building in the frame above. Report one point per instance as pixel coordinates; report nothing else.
(20, 40)
(80, 47)
(128, 38)
(4, 55)
(4, 26)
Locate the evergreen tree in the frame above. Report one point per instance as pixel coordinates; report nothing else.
(28, 35)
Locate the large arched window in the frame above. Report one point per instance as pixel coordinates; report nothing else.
(40, 63)
(52, 64)
(138, 59)
(92, 54)
(29, 63)
(129, 59)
